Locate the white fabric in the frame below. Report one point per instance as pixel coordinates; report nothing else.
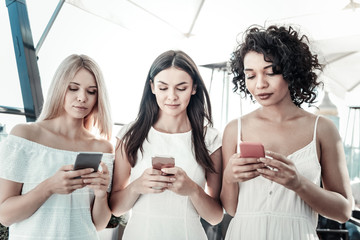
(62, 216)
(267, 210)
(168, 215)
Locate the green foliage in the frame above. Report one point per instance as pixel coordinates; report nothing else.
(4, 233)
(114, 221)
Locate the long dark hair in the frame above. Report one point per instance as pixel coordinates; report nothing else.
(290, 56)
(198, 110)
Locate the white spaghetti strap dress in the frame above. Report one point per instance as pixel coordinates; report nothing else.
(269, 211)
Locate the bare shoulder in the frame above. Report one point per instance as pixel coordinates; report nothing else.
(326, 129)
(229, 139)
(103, 145)
(231, 127)
(26, 130)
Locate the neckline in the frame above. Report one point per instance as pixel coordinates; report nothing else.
(27, 141)
(179, 133)
(301, 149)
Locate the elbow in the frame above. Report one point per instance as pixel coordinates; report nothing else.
(216, 219)
(5, 222)
(229, 210)
(99, 228)
(345, 216)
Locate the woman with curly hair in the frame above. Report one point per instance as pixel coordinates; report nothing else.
(279, 196)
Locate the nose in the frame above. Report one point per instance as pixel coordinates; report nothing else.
(81, 97)
(261, 81)
(172, 95)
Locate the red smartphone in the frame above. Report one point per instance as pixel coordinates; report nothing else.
(159, 162)
(251, 150)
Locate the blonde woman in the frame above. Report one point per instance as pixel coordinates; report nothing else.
(40, 196)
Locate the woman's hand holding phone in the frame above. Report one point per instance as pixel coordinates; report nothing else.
(98, 181)
(181, 183)
(243, 167)
(64, 181)
(240, 169)
(151, 181)
(282, 171)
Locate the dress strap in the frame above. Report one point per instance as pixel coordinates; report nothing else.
(315, 127)
(238, 136)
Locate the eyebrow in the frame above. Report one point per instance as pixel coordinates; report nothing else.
(79, 84)
(250, 69)
(182, 83)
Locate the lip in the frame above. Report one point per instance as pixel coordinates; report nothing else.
(172, 105)
(264, 96)
(80, 108)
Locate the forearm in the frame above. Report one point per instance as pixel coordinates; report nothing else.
(101, 212)
(122, 201)
(327, 203)
(18, 208)
(229, 197)
(207, 207)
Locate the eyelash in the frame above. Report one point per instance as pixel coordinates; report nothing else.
(268, 74)
(180, 89)
(90, 92)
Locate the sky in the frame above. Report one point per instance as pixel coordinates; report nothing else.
(123, 55)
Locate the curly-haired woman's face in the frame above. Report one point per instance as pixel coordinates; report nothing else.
(266, 87)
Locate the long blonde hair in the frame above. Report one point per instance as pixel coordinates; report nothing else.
(100, 116)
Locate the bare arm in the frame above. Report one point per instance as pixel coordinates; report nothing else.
(334, 200)
(235, 169)
(99, 182)
(124, 194)
(15, 207)
(230, 189)
(208, 204)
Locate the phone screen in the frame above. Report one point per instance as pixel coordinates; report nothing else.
(159, 162)
(251, 150)
(88, 160)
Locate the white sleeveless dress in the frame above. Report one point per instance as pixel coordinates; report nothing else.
(167, 215)
(62, 216)
(269, 211)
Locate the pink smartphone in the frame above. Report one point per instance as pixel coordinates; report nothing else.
(159, 162)
(251, 150)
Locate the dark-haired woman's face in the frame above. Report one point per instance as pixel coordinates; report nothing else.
(266, 87)
(173, 89)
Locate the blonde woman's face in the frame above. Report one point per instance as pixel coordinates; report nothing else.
(81, 95)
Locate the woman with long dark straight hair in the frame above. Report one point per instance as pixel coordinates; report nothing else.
(174, 120)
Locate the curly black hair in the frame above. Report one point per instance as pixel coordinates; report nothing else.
(290, 56)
